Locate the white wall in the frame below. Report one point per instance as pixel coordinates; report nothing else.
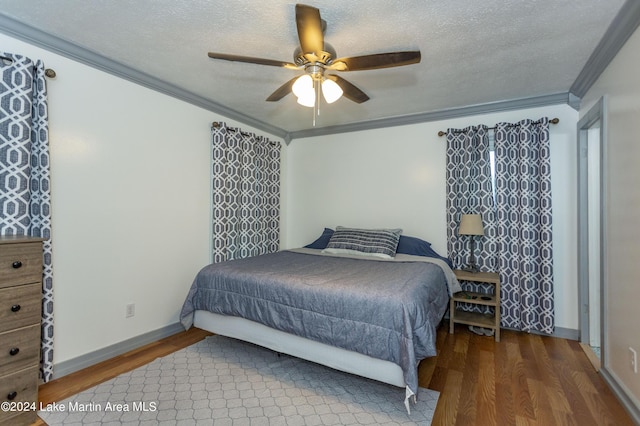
(130, 183)
(621, 86)
(395, 177)
(130, 203)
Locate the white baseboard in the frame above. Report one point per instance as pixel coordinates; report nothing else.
(87, 360)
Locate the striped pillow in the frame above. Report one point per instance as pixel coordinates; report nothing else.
(364, 242)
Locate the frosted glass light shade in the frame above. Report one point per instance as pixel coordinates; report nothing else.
(308, 100)
(331, 91)
(302, 86)
(303, 89)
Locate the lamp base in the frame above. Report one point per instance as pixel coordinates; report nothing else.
(472, 268)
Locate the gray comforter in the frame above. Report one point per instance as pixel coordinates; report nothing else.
(385, 309)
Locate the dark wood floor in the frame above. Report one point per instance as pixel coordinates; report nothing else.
(523, 380)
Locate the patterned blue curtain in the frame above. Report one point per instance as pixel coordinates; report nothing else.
(523, 190)
(24, 172)
(470, 191)
(246, 194)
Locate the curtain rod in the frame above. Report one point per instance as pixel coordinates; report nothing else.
(552, 121)
(216, 125)
(48, 72)
(231, 129)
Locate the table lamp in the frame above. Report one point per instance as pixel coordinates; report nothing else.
(471, 224)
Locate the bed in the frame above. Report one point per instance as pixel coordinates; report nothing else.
(374, 315)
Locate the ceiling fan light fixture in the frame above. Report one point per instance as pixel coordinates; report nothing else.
(316, 56)
(331, 91)
(308, 101)
(304, 89)
(303, 86)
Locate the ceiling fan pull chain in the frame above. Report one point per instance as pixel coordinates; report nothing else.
(314, 118)
(317, 87)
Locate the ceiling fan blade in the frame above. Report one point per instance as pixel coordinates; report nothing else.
(282, 91)
(350, 91)
(309, 26)
(375, 61)
(251, 60)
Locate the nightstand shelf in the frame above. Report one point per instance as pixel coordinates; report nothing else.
(491, 321)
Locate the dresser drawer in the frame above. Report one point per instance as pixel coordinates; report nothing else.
(20, 263)
(20, 306)
(25, 418)
(21, 386)
(19, 349)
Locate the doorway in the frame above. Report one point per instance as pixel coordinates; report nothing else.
(591, 152)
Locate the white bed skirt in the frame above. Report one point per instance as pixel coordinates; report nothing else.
(279, 341)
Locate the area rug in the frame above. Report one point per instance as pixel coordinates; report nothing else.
(223, 381)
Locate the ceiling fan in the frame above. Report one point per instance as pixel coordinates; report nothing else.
(315, 56)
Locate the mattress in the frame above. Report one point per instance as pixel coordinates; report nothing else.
(383, 309)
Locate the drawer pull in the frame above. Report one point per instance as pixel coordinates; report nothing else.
(14, 351)
(11, 396)
(15, 308)
(17, 264)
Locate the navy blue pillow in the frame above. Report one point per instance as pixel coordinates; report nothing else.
(414, 246)
(322, 241)
(417, 247)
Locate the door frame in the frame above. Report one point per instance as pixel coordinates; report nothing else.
(597, 113)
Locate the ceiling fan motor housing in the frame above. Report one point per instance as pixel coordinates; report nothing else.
(325, 56)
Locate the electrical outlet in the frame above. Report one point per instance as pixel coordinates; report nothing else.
(633, 357)
(131, 310)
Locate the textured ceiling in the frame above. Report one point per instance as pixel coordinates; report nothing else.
(473, 52)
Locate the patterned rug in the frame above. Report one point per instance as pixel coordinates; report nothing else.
(223, 381)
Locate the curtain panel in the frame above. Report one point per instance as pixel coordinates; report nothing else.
(246, 194)
(524, 221)
(470, 191)
(25, 197)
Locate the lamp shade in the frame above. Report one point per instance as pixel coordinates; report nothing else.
(331, 91)
(304, 90)
(471, 224)
(307, 99)
(302, 86)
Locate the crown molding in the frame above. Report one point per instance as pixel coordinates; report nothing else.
(622, 27)
(93, 59)
(533, 102)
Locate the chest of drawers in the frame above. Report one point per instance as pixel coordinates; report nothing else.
(20, 311)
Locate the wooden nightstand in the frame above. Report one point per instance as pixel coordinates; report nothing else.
(491, 321)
